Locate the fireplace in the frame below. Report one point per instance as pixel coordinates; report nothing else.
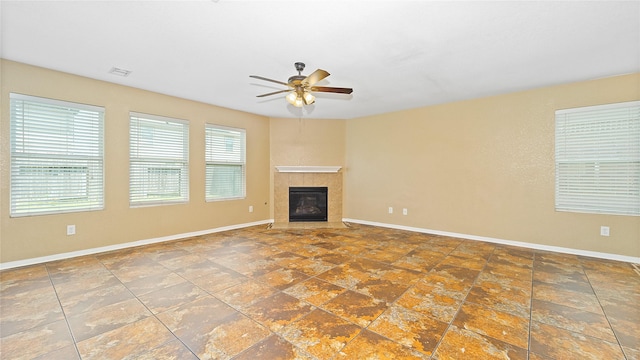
(308, 204)
(286, 177)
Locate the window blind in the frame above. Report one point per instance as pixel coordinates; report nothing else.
(225, 163)
(598, 159)
(158, 160)
(56, 156)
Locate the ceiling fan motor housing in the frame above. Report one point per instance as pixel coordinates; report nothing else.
(296, 79)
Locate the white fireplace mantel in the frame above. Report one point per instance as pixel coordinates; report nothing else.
(308, 169)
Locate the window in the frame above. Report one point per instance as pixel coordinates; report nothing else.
(56, 156)
(158, 160)
(598, 159)
(226, 162)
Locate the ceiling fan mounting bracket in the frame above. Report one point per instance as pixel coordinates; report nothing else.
(297, 79)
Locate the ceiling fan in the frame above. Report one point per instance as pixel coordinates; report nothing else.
(300, 87)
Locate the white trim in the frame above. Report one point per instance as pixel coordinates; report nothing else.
(145, 116)
(598, 107)
(55, 102)
(308, 169)
(629, 259)
(43, 259)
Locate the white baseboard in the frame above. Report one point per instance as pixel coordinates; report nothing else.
(629, 259)
(43, 259)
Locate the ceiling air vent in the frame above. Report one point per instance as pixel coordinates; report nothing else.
(119, 72)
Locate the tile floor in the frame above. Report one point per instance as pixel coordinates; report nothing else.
(354, 293)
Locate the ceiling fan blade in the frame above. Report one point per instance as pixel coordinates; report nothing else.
(266, 79)
(273, 93)
(331, 89)
(315, 77)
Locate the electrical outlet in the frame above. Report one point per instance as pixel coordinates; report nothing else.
(250, 208)
(404, 211)
(71, 229)
(604, 231)
(390, 210)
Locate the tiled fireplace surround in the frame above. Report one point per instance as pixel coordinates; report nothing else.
(283, 179)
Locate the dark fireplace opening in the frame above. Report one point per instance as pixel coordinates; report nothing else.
(307, 204)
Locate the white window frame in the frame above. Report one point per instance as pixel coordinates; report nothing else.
(232, 156)
(158, 160)
(597, 159)
(57, 156)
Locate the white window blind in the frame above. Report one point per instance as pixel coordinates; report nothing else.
(598, 159)
(56, 156)
(226, 163)
(158, 160)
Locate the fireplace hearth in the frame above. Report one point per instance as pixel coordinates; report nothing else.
(308, 204)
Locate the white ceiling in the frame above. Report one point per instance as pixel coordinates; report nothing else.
(394, 54)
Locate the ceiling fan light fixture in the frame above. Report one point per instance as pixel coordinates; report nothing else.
(298, 102)
(308, 98)
(291, 98)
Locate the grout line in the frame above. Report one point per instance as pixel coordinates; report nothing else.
(145, 305)
(533, 269)
(66, 318)
(604, 313)
(464, 299)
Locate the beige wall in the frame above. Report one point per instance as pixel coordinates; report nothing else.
(298, 142)
(482, 167)
(36, 236)
(304, 142)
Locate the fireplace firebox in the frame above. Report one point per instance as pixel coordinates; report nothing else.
(307, 204)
